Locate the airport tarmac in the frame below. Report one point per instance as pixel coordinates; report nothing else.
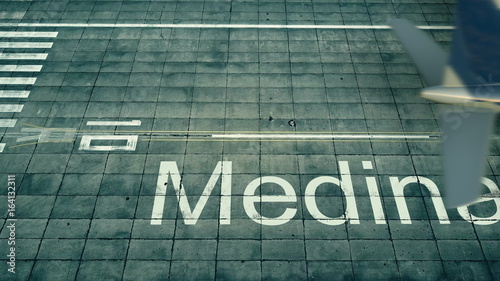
(228, 140)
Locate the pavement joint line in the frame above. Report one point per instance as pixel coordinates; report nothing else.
(240, 26)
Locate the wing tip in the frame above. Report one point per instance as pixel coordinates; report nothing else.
(452, 202)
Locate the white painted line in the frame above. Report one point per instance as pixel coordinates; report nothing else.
(7, 123)
(257, 26)
(11, 107)
(114, 123)
(17, 80)
(23, 56)
(29, 45)
(367, 165)
(21, 68)
(2, 147)
(14, 94)
(130, 146)
(27, 34)
(315, 136)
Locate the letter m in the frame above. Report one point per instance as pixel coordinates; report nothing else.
(170, 169)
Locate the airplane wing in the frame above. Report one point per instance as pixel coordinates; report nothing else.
(465, 147)
(429, 57)
(466, 131)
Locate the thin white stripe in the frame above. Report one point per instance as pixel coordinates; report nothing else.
(21, 68)
(7, 123)
(259, 26)
(314, 136)
(114, 123)
(14, 94)
(26, 33)
(22, 56)
(2, 146)
(17, 80)
(30, 45)
(11, 107)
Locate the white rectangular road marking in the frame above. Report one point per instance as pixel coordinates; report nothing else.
(21, 68)
(256, 26)
(2, 146)
(114, 123)
(11, 107)
(27, 34)
(28, 45)
(316, 136)
(7, 123)
(17, 80)
(14, 94)
(130, 146)
(23, 56)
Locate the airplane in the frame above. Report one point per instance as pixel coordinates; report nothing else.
(467, 82)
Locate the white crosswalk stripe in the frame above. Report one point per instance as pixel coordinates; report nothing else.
(14, 94)
(11, 107)
(21, 68)
(7, 123)
(23, 56)
(28, 45)
(17, 80)
(27, 34)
